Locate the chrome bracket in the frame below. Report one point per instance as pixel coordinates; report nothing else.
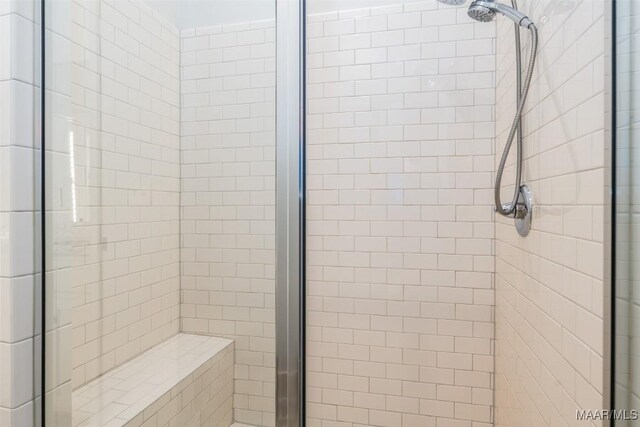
(524, 211)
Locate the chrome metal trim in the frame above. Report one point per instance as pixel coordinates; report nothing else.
(39, 384)
(609, 209)
(525, 202)
(290, 190)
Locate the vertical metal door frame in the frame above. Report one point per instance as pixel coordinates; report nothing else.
(40, 385)
(290, 207)
(609, 212)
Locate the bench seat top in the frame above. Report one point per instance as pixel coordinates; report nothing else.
(121, 394)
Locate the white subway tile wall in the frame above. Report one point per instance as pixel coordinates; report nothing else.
(125, 190)
(400, 223)
(19, 149)
(228, 201)
(549, 285)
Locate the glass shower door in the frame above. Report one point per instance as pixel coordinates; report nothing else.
(160, 196)
(400, 128)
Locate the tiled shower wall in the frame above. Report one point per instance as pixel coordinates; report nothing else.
(227, 201)
(125, 190)
(549, 285)
(400, 222)
(19, 151)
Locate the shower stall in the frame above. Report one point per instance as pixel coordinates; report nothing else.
(331, 213)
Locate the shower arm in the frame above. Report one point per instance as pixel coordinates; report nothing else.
(515, 209)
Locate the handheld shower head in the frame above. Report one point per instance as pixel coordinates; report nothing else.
(481, 13)
(486, 10)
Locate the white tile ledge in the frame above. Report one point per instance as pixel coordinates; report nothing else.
(121, 394)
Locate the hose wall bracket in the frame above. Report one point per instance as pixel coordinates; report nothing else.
(524, 211)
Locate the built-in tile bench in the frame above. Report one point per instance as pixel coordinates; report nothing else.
(184, 381)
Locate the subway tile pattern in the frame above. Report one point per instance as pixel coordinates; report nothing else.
(19, 212)
(187, 380)
(400, 224)
(549, 285)
(227, 201)
(124, 191)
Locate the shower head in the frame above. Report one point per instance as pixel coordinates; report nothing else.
(486, 10)
(453, 2)
(481, 13)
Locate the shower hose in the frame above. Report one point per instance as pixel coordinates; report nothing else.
(511, 209)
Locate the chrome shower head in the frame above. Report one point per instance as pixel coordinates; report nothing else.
(481, 13)
(486, 10)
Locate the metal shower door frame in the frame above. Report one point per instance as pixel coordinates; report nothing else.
(290, 213)
(609, 220)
